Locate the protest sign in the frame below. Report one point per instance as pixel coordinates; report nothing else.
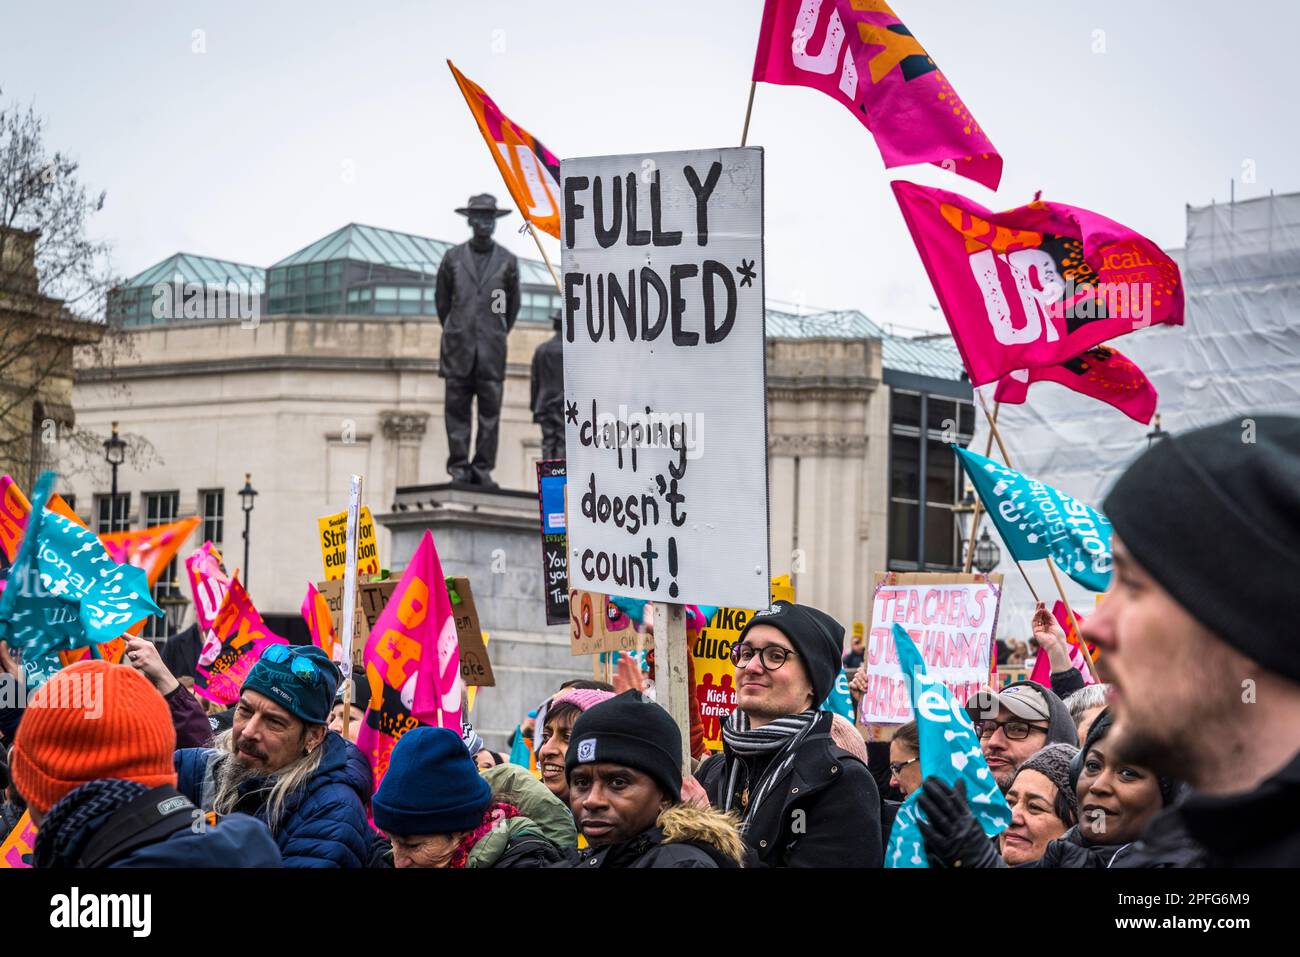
(711, 656)
(412, 661)
(597, 624)
(16, 851)
(371, 599)
(953, 620)
(235, 643)
(475, 667)
(555, 559)
(333, 544)
(950, 751)
(663, 276)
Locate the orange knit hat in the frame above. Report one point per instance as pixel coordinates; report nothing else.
(92, 720)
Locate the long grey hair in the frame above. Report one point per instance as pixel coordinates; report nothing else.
(230, 772)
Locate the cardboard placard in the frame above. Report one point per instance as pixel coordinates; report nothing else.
(951, 618)
(333, 542)
(551, 496)
(371, 599)
(596, 624)
(664, 358)
(475, 666)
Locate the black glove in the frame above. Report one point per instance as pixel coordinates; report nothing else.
(953, 838)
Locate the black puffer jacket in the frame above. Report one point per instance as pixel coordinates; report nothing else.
(1070, 851)
(823, 812)
(683, 836)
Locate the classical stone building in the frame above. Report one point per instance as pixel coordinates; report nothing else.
(37, 339)
(325, 365)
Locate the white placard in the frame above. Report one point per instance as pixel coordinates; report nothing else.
(664, 375)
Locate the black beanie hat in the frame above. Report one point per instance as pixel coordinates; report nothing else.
(816, 636)
(631, 730)
(1214, 516)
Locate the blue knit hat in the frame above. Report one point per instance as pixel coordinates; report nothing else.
(432, 786)
(299, 678)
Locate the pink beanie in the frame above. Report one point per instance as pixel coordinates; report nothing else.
(582, 698)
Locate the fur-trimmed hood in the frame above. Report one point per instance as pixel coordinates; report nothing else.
(684, 823)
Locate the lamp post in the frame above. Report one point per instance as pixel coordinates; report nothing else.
(1156, 434)
(987, 553)
(246, 496)
(115, 455)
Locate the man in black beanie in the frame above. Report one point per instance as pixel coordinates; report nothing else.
(1199, 636)
(624, 769)
(804, 801)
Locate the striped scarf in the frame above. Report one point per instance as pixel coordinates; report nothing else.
(780, 740)
(67, 828)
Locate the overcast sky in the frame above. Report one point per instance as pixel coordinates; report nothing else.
(300, 117)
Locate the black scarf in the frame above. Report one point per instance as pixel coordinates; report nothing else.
(777, 741)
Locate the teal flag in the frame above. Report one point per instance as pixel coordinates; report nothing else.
(950, 750)
(1038, 521)
(64, 591)
(839, 701)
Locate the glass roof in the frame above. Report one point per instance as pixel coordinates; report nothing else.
(934, 356)
(386, 247)
(200, 270)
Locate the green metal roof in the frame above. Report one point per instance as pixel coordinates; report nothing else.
(934, 356)
(387, 247)
(200, 270)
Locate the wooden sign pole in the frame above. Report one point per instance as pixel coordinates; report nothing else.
(350, 597)
(671, 686)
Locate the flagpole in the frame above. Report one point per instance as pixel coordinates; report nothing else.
(979, 502)
(993, 434)
(545, 258)
(1051, 566)
(744, 134)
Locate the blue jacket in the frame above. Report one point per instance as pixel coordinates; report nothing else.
(323, 825)
(236, 840)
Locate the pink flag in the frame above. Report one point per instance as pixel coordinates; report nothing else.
(1042, 672)
(1101, 372)
(860, 53)
(320, 624)
(1036, 285)
(235, 643)
(208, 584)
(412, 661)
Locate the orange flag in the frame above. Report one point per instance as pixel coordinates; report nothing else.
(320, 624)
(14, 509)
(531, 171)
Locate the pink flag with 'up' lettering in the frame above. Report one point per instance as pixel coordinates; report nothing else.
(860, 53)
(412, 661)
(1036, 285)
(1101, 372)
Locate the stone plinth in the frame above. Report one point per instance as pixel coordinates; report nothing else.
(494, 539)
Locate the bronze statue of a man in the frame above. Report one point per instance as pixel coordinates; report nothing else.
(547, 387)
(478, 302)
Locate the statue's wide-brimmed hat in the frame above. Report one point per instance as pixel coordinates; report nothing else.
(484, 203)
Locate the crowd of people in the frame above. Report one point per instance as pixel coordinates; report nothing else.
(1188, 756)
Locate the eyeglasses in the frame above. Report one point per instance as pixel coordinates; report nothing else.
(1014, 730)
(897, 766)
(303, 668)
(771, 657)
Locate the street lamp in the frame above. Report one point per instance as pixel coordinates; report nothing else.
(115, 455)
(246, 496)
(987, 553)
(1156, 434)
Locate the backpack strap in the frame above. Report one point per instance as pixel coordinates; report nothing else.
(152, 817)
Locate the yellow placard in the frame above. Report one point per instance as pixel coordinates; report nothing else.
(714, 672)
(334, 540)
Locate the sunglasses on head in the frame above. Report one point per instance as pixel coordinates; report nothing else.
(303, 668)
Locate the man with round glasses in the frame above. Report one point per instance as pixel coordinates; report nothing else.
(803, 801)
(281, 764)
(1015, 722)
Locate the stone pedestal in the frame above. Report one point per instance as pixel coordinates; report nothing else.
(494, 539)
